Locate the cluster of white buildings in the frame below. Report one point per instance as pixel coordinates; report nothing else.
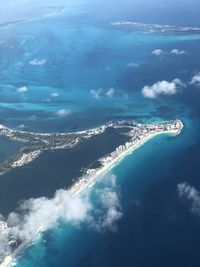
(6, 131)
(139, 133)
(92, 132)
(11, 134)
(26, 158)
(67, 145)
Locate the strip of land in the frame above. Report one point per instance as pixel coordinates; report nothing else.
(108, 162)
(157, 27)
(139, 134)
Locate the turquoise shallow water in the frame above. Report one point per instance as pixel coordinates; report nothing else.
(150, 166)
(79, 51)
(82, 52)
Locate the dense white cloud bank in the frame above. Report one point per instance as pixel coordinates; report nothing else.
(66, 207)
(162, 87)
(191, 194)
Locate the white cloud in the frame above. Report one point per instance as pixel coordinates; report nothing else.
(45, 212)
(96, 93)
(54, 94)
(65, 207)
(109, 208)
(110, 92)
(5, 248)
(37, 62)
(110, 202)
(63, 112)
(46, 100)
(189, 193)
(133, 65)
(21, 126)
(157, 52)
(19, 64)
(177, 52)
(162, 87)
(196, 79)
(22, 89)
(33, 117)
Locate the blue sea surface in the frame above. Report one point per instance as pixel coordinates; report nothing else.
(8, 147)
(84, 54)
(155, 228)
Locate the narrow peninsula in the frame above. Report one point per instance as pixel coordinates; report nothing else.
(36, 143)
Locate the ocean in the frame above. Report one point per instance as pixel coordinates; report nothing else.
(86, 57)
(54, 170)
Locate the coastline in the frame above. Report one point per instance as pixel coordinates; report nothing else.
(58, 10)
(84, 182)
(105, 169)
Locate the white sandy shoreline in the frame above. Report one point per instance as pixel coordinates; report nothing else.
(85, 182)
(105, 169)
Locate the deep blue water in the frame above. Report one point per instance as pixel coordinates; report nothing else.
(8, 148)
(54, 170)
(83, 53)
(156, 228)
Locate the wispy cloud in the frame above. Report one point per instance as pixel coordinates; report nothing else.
(157, 52)
(96, 93)
(133, 64)
(196, 79)
(46, 100)
(65, 207)
(177, 52)
(22, 89)
(99, 93)
(162, 87)
(111, 209)
(110, 92)
(21, 126)
(37, 62)
(63, 112)
(190, 194)
(33, 117)
(54, 94)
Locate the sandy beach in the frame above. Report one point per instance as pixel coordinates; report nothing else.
(85, 182)
(80, 187)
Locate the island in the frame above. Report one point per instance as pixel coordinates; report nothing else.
(36, 143)
(156, 27)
